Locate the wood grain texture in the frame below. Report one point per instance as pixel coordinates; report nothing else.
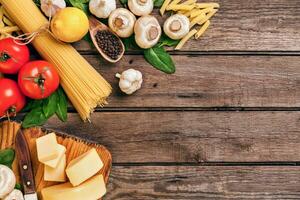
(192, 136)
(248, 26)
(194, 183)
(75, 147)
(209, 81)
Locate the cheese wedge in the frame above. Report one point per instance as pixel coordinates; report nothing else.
(84, 167)
(92, 189)
(57, 174)
(61, 151)
(47, 147)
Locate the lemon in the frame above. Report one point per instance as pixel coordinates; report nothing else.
(70, 24)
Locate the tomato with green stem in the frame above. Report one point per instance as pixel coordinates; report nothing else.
(12, 56)
(11, 98)
(38, 79)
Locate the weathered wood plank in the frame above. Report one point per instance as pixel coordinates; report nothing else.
(204, 183)
(191, 136)
(249, 26)
(209, 81)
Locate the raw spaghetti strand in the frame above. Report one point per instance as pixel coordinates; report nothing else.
(83, 85)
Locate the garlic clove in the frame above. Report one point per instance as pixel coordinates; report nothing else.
(141, 7)
(51, 7)
(129, 75)
(102, 8)
(130, 81)
(7, 181)
(15, 195)
(177, 26)
(125, 84)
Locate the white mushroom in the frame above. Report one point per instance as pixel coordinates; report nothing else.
(15, 195)
(7, 181)
(177, 26)
(147, 31)
(121, 21)
(130, 80)
(51, 7)
(102, 8)
(141, 7)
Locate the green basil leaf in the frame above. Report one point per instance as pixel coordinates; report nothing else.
(18, 186)
(166, 41)
(35, 117)
(158, 3)
(50, 105)
(62, 106)
(130, 43)
(160, 59)
(79, 4)
(32, 104)
(7, 157)
(124, 2)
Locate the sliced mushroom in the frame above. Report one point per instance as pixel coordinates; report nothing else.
(147, 31)
(177, 26)
(121, 21)
(102, 8)
(141, 7)
(7, 181)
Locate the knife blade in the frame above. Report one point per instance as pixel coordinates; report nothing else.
(25, 166)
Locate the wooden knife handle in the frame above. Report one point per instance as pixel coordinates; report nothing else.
(25, 166)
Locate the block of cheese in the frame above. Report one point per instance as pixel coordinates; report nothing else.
(57, 174)
(92, 189)
(84, 167)
(47, 147)
(61, 151)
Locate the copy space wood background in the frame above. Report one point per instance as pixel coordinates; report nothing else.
(225, 125)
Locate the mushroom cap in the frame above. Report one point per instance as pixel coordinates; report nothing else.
(147, 31)
(102, 8)
(14, 195)
(121, 21)
(141, 7)
(177, 26)
(7, 181)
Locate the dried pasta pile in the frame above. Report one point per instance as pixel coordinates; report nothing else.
(7, 26)
(199, 14)
(83, 85)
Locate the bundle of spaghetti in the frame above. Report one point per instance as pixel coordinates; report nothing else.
(85, 88)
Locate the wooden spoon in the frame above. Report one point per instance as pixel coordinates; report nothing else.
(95, 26)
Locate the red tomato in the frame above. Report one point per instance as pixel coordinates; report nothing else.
(38, 79)
(12, 56)
(11, 98)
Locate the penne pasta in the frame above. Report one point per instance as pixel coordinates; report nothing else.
(202, 29)
(185, 39)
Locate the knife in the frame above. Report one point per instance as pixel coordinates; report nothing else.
(25, 167)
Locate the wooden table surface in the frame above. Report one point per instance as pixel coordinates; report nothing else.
(225, 125)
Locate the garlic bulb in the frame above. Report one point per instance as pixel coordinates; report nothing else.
(121, 21)
(177, 26)
(51, 7)
(130, 81)
(7, 181)
(102, 8)
(141, 7)
(147, 31)
(14, 195)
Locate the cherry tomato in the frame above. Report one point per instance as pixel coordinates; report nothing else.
(38, 79)
(11, 98)
(12, 56)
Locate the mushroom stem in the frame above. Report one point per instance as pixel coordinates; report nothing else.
(142, 2)
(152, 33)
(119, 22)
(175, 25)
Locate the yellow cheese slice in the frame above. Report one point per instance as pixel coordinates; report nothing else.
(47, 147)
(92, 189)
(57, 174)
(61, 151)
(84, 167)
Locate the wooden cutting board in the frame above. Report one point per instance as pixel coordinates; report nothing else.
(75, 147)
